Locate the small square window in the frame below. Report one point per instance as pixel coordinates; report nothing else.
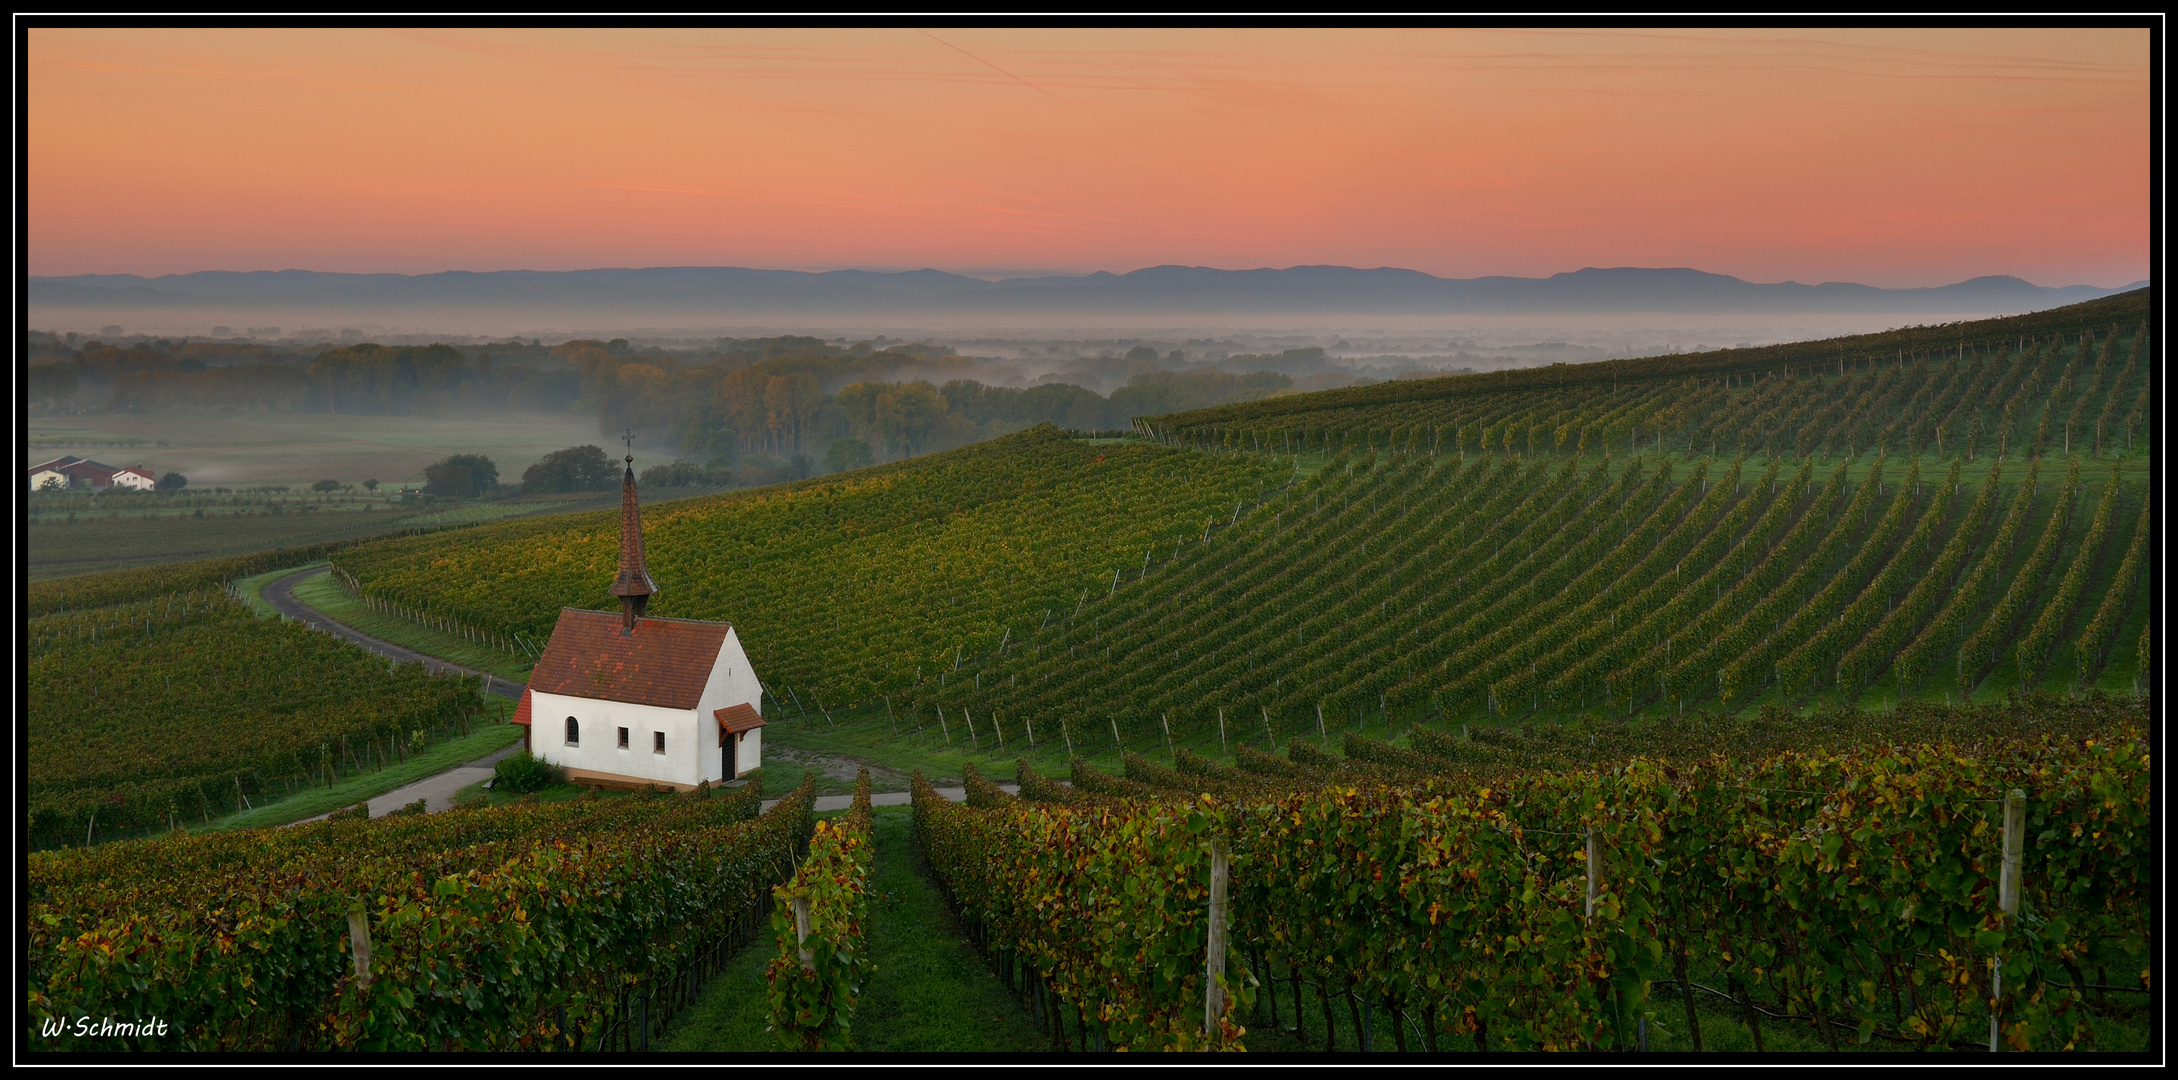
(657, 742)
(623, 738)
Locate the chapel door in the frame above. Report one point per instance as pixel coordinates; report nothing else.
(726, 742)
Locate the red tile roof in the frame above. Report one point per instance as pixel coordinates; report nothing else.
(739, 718)
(521, 710)
(664, 662)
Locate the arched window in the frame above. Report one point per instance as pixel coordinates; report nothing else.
(574, 732)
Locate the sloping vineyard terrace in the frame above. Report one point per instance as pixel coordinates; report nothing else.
(850, 588)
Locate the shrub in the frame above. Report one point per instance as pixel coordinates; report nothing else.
(524, 772)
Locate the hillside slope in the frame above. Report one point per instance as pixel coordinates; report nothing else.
(1465, 548)
(1410, 588)
(2074, 379)
(853, 585)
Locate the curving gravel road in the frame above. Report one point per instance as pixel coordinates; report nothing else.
(438, 789)
(281, 595)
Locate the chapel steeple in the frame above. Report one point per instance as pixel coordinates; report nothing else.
(634, 586)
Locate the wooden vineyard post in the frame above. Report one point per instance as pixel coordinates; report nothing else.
(1067, 735)
(1115, 734)
(1213, 1006)
(2015, 836)
(1221, 731)
(359, 942)
(801, 934)
(1271, 737)
(1321, 731)
(973, 742)
(1595, 871)
(941, 725)
(1166, 720)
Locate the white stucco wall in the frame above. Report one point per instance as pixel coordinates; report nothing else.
(733, 682)
(599, 750)
(751, 751)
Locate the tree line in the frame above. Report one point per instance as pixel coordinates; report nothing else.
(780, 405)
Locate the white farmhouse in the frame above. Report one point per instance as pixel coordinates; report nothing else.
(620, 700)
(136, 477)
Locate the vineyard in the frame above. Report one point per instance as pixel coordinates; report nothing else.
(1864, 896)
(855, 586)
(563, 926)
(1388, 589)
(2070, 381)
(168, 711)
(151, 582)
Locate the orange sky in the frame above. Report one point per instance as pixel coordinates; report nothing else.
(1891, 158)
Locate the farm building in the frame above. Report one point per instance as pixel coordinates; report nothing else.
(74, 472)
(620, 699)
(52, 472)
(135, 477)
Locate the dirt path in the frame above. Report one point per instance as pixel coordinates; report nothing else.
(281, 595)
(437, 790)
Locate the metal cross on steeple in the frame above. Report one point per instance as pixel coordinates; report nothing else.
(629, 439)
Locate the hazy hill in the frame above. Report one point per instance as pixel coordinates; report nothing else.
(724, 291)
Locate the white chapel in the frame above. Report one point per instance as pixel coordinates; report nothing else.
(622, 700)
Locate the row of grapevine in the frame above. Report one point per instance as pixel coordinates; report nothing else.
(1856, 891)
(1982, 646)
(1103, 905)
(815, 981)
(488, 929)
(2034, 648)
(2093, 645)
(1902, 621)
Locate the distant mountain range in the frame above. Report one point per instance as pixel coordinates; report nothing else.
(725, 291)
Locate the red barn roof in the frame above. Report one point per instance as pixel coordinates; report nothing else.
(739, 718)
(664, 662)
